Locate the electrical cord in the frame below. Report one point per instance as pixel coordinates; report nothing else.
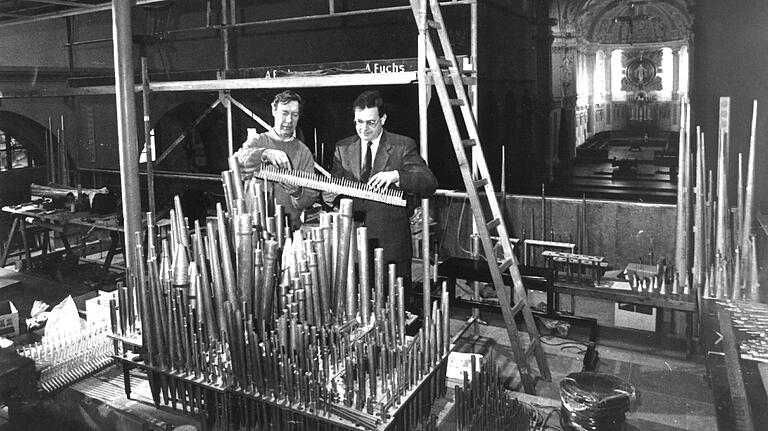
(535, 418)
(539, 422)
(579, 350)
(546, 425)
(543, 340)
(570, 344)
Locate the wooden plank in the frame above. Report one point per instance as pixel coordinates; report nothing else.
(17, 375)
(623, 296)
(741, 407)
(341, 80)
(8, 278)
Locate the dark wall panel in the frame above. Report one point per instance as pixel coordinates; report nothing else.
(729, 60)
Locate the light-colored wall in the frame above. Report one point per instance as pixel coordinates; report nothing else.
(623, 232)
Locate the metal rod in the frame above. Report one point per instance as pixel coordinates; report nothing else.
(681, 238)
(86, 9)
(700, 232)
(183, 134)
(721, 224)
(365, 277)
(424, 96)
(149, 147)
(230, 133)
(126, 127)
(225, 36)
(749, 195)
(161, 174)
(332, 14)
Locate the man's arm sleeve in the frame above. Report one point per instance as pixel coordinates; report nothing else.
(415, 175)
(249, 155)
(306, 196)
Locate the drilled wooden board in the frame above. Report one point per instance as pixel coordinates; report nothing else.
(8, 278)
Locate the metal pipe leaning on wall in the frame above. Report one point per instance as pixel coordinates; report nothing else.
(250, 324)
(724, 251)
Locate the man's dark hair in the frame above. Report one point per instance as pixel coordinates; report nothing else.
(370, 99)
(286, 97)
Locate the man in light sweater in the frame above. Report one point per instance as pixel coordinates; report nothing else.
(280, 147)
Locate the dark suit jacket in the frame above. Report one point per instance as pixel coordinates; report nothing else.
(388, 225)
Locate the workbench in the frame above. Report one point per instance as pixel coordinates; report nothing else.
(542, 279)
(65, 224)
(731, 403)
(680, 303)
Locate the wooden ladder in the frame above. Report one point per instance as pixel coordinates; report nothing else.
(448, 81)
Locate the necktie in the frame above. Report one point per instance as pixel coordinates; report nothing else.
(366, 171)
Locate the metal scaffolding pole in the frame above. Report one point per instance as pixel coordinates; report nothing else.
(148, 145)
(126, 127)
(424, 93)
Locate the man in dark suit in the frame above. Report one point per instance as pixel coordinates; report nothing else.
(383, 159)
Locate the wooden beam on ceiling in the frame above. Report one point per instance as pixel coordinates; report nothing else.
(341, 80)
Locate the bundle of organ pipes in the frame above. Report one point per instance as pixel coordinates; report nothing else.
(724, 264)
(482, 402)
(244, 305)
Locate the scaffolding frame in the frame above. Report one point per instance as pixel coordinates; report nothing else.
(224, 86)
(421, 77)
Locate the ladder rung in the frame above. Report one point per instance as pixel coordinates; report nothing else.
(434, 24)
(516, 308)
(531, 347)
(493, 224)
(503, 266)
(448, 79)
(445, 69)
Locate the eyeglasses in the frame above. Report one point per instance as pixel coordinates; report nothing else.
(369, 123)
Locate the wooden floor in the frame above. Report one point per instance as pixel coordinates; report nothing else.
(673, 394)
(605, 173)
(8, 278)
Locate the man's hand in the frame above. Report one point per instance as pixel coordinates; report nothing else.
(329, 198)
(247, 172)
(382, 180)
(276, 157)
(290, 188)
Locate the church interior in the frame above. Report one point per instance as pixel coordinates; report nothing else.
(592, 257)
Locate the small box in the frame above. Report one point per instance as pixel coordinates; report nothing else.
(458, 363)
(9, 319)
(97, 308)
(634, 316)
(642, 271)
